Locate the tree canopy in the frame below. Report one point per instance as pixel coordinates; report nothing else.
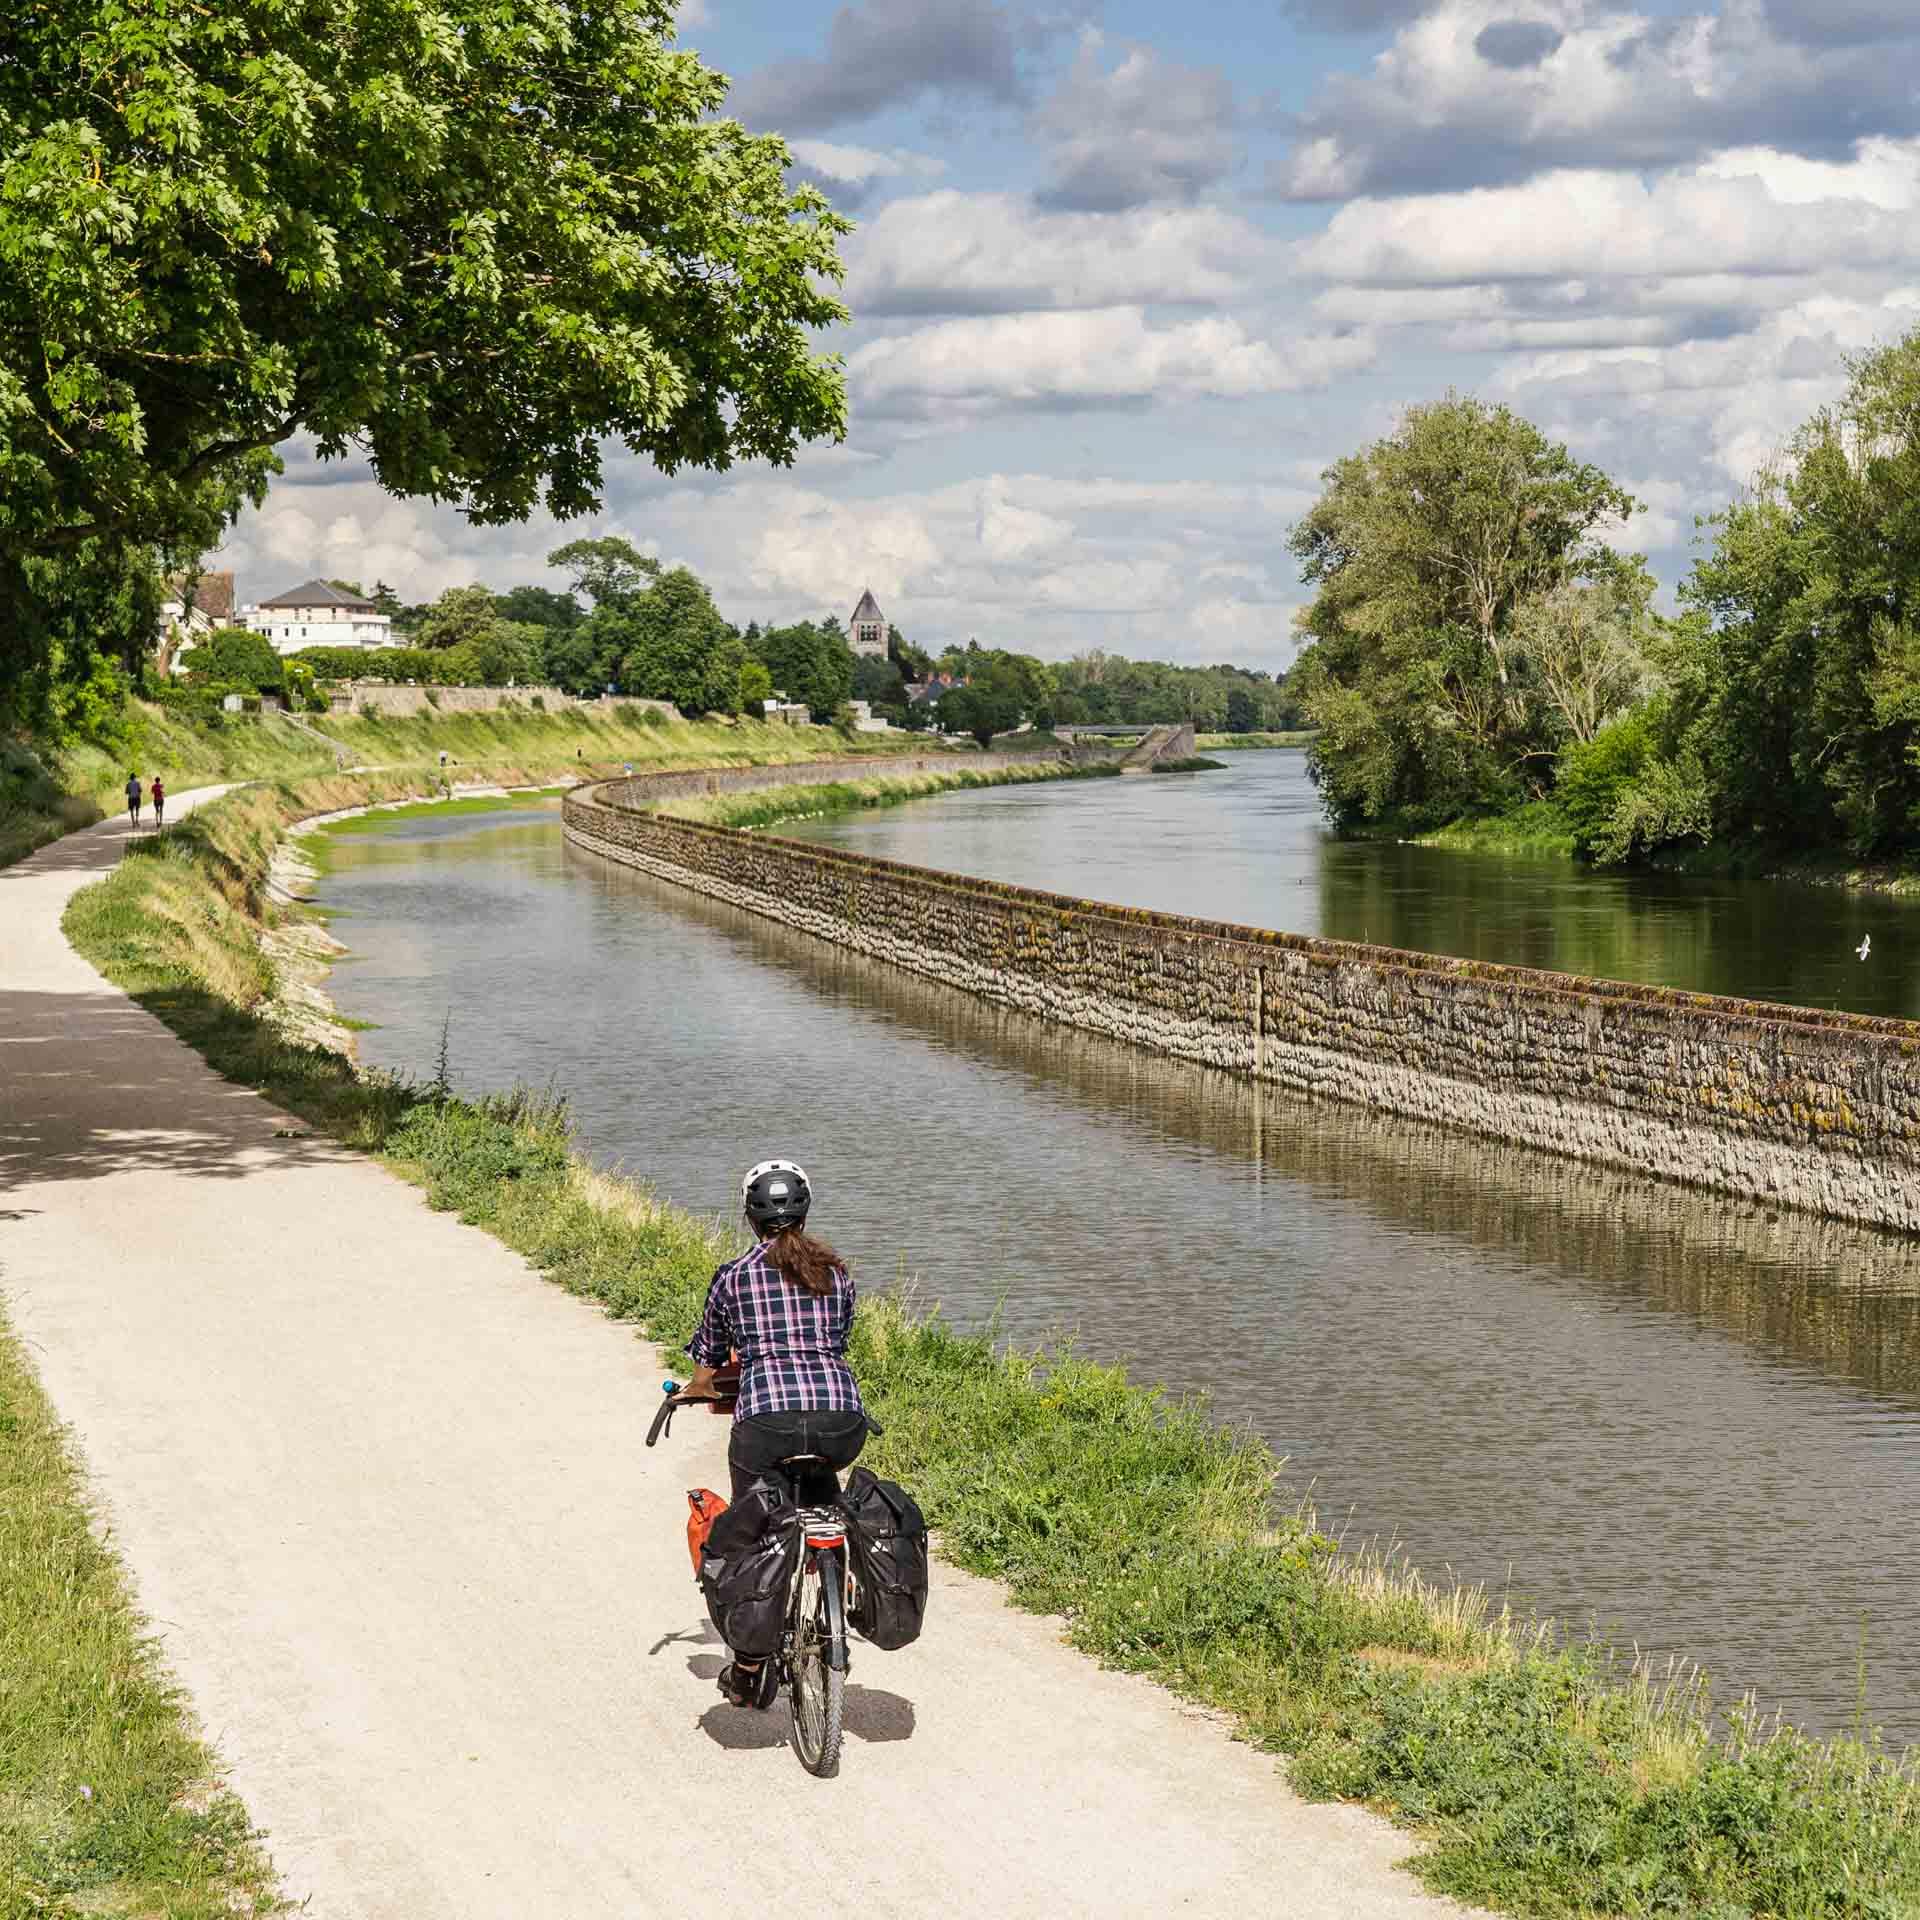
(678, 646)
(1426, 549)
(810, 662)
(1793, 716)
(470, 243)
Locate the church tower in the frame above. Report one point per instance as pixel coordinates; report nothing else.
(868, 631)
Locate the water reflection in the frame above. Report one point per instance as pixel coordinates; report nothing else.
(1685, 1418)
(1247, 844)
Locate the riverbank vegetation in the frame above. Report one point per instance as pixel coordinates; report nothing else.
(1481, 651)
(109, 1803)
(42, 797)
(1547, 1777)
(772, 805)
(1252, 742)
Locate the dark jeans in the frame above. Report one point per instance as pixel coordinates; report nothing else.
(762, 1440)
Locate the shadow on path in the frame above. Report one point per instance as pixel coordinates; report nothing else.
(92, 1085)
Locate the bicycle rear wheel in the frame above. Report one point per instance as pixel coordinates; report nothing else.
(817, 1691)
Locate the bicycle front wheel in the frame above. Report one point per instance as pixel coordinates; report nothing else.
(818, 1692)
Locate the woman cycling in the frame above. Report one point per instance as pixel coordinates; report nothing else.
(785, 1308)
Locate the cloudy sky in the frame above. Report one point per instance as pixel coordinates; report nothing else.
(1129, 275)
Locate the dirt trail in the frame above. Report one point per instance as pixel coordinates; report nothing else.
(384, 1493)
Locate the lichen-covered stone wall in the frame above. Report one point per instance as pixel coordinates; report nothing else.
(1804, 1108)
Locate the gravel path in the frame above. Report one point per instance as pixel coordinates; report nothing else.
(384, 1493)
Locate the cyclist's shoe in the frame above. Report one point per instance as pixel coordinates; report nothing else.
(755, 1687)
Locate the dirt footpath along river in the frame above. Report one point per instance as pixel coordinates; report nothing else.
(385, 1495)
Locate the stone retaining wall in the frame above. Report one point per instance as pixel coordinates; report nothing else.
(404, 699)
(1803, 1108)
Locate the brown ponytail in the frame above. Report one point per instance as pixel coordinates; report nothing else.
(807, 1262)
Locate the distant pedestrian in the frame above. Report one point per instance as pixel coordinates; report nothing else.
(158, 794)
(133, 798)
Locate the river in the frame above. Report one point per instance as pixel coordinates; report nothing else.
(1691, 1424)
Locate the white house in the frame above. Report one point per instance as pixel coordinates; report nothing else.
(319, 614)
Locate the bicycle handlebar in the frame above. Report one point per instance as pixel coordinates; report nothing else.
(677, 1398)
(663, 1420)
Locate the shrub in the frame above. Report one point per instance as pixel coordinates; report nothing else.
(1594, 774)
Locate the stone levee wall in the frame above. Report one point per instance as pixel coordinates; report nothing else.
(1803, 1108)
(404, 699)
(651, 789)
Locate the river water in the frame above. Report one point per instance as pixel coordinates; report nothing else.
(1691, 1424)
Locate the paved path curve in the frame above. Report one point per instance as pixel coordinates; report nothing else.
(384, 1492)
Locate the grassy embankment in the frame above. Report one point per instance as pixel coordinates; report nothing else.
(1549, 1778)
(1247, 742)
(108, 1802)
(777, 804)
(40, 801)
(1536, 831)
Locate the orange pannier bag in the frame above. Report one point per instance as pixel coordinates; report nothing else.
(707, 1508)
(706, 1504)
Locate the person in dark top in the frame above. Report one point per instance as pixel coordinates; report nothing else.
(785, 1309)
(133, 798)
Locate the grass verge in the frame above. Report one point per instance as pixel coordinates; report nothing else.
(1534, 831)
(773, 805)
(108, 1801)
(1249, 742)
(1548, 1778)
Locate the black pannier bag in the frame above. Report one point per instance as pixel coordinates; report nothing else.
(887, 1540)
(747, 1566)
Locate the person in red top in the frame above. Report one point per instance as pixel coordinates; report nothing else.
(158, 795)
(785, 1308)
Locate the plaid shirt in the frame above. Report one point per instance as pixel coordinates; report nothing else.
(792, 1344)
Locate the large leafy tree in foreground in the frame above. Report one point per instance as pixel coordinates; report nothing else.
(1427, 550)
(471, 240)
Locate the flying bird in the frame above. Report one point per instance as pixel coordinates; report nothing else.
(1865, 947)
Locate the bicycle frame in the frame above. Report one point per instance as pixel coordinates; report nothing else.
(824, 1554)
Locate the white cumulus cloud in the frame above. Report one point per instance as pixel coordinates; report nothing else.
(959, 370)
(956, 253)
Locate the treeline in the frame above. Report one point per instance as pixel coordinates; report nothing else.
(1478, 647)
(628, 626)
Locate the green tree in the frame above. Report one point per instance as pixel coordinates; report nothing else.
(83, 623)
(1243, 716)
(878, 682)
(1799, 698)
(539, 607)
(914, 663)
(607, 570)
(810, 663)
(501, 654)
(1422, 550)
(756, 687)
(234, 657)
(476, 242)
(460, 615)
(679, 647)
(991, 703)
(1586, 644)
(572, 659)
